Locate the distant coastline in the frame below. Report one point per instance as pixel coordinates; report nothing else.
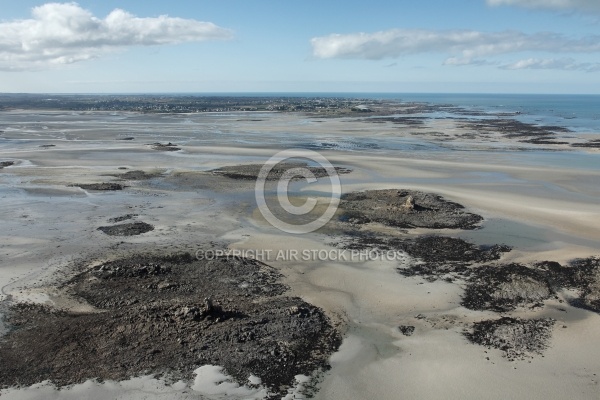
(580, 113)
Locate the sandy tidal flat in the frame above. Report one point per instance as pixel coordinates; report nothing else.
(541, 203)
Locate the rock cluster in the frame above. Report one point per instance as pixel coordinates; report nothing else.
(170, 315)
(164, 147)
(407, 330)
(435, 257)
(405, 209)
(100, 186)
(489, 286)
(137, 175)
(505, 287)
(128, 229)
(252, 171)
(518, 338)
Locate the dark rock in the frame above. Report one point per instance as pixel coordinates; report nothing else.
(582, 274)
(440, 255)
(252, 171)
(592, 144)
(557, 275)
(407, 330)
(512, 129)
(503, 288)
(409, 121)
(389, 207)
(6, 164)
(100, 186)
(542, 141)
(517, 338)
(436, 257)
(130, 229)
(586, 277)
(136, 175)
(205, 317)
(165, 147)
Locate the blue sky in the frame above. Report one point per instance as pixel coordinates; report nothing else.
(469, 46)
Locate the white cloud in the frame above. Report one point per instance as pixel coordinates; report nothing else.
(580, 5)
(462, 47)
(64, 33)
(458, 61)
(565, 64)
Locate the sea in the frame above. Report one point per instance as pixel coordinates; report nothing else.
(580, 113)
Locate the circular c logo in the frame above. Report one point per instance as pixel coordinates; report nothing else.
(283, 186)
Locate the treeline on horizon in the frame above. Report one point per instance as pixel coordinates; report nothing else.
(164, 103)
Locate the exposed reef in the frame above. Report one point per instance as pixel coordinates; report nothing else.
(129, 229)
(168, 316)
(252, 171)
(405, 209)
(517, 338)
(164, 147)
(106, 186)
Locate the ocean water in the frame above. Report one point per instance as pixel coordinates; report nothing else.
(580, 113)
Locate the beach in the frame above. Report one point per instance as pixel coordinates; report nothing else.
(538, 198)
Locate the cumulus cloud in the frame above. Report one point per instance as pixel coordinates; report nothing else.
(462, 47)
(565, 64)
(64, 33)
(580, 5)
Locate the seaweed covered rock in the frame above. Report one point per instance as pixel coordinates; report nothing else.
(128, 229)
(137, 175)
(434, 257)
(405, 209)
(587, 278)
(582, 274)
(168, 315)
(517, 338)
(252, 171)
(106, 186)
(439, 255)
(503, 288)
(165, 147)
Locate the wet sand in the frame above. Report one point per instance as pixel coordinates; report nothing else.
(543, 206)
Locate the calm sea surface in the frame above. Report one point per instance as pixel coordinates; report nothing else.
(578, 112)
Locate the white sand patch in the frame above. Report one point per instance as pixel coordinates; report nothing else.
(212, 381)
(141, 388)
(443, 365)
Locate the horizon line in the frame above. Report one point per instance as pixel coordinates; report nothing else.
(291, 93)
